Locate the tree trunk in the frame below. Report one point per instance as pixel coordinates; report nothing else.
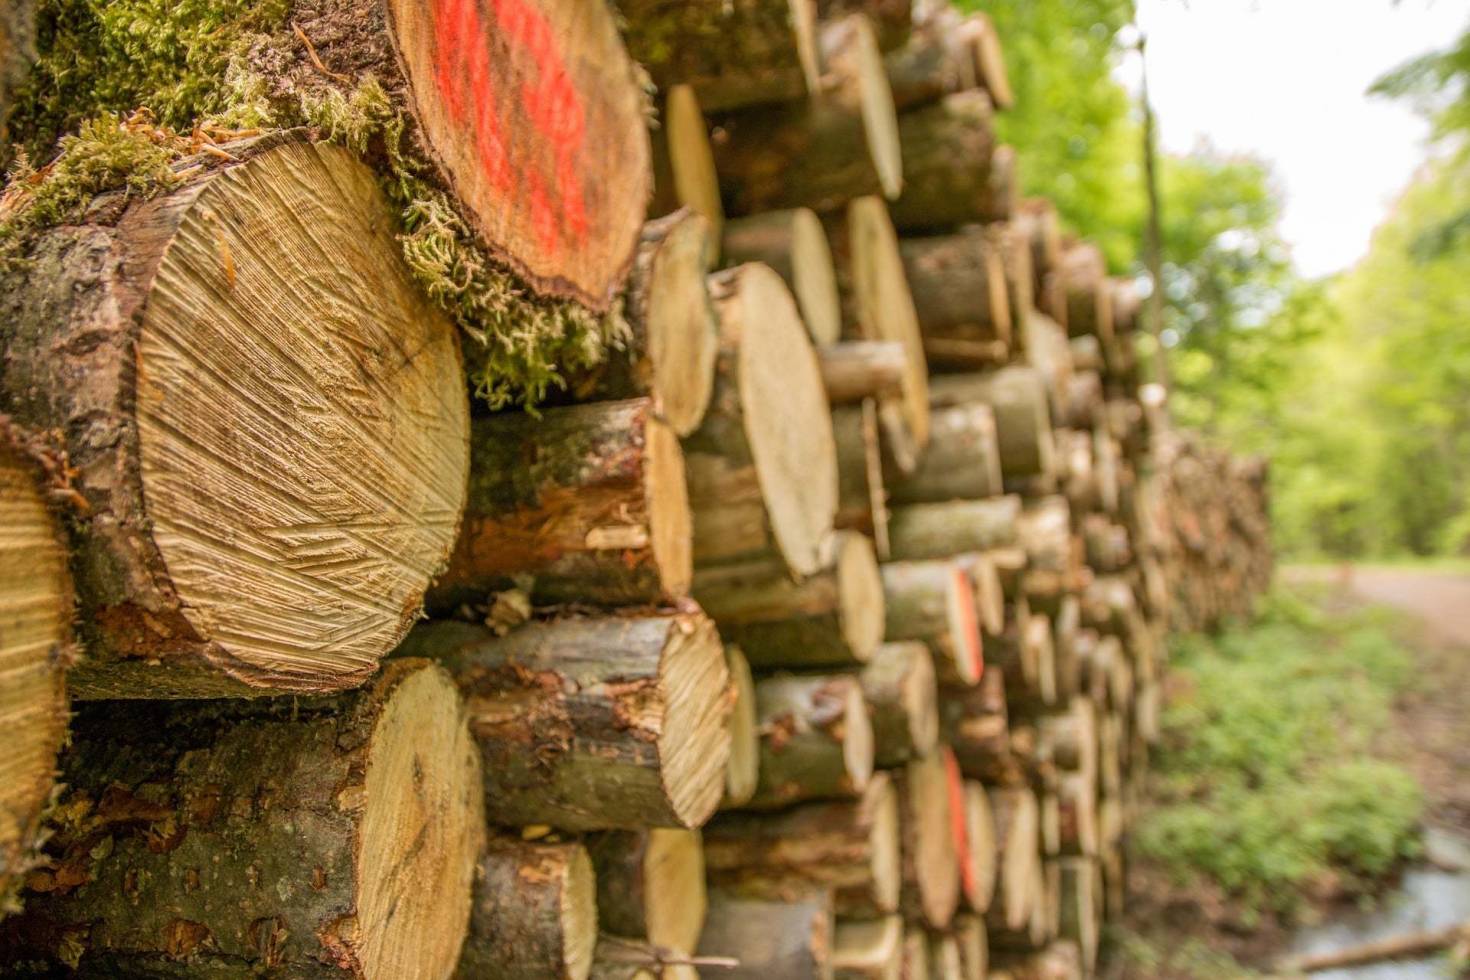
(535, 914)
(899, 688)
(271, 470)
(933, 531)
(868, 949)
(822, 152)
(733, 54)
(934, 602)
(585, 724)
(1018, 396)
(670, 356)
(650, 885)
(793, 243)
(1017, 831)
(684, 164)
(862, 500)
(978, 874)
(771, 939)
(961, 463)
(1081, 276)
(931, 867)
(763, 466)
(848, 846)
(590, 499)
(832, 619)
(859, 369)
(35, 646)
(228, 839)
(816, 739)
(953, 172)
(959, 287)
(743, 770)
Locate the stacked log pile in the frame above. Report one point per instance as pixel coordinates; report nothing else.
(815, 632)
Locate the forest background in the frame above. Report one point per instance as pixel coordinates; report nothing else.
(1356, 385)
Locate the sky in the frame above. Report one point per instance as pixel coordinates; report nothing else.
(1286, 80)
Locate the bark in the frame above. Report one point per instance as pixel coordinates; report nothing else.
(670, 355)
(589, 499)
(1011, 241)
(763, 467)
(975, 726)
(17, 52)
(816, 740)
(933, 531)
(1038, 219)
(1017, 831)
(848, 846)
(1082, 400)
(832, 619)
(35, 645)
(978, 874)
(1081, 275)
(891, 18)
(821, 152)
(743, 770)
(650, 885)
(1077, 814)
(771, 940)
(1050, 353)
(936, 60)
(899, 687)
(606, 722)
(235, 839)
(684, 164)
(262, 505)
(862, 499)
(959, 287)
(868, 949)
(1018, 396)
(535, 913)
(928, 789)
(732, 55)
(961, 463)
(859, 369)
(953, 172)
(1045, 531)
(934, 602)
(793, 243)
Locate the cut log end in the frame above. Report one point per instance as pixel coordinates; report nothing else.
(875, 101)
(743, 769)
(682, 336)
(868, 949)
(693, 740)
(859, 594)
(978, 874)
(692, 163)
(535, 913)
(794, 244)
(669, 517)
(931, 865)
(675, 904)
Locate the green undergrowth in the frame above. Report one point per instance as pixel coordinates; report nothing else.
(1269, 785)
(125, 80)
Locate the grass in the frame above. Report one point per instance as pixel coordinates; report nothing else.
(1268, 787)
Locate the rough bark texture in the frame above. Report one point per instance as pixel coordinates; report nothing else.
(650, 885)
(684, 165)
(849, 846)
(953, 172)
(932, 531)
(821, 152)
(604, 722)
(868, 949)
(793, 243)
(936, 60)
(733, 55)
(35, 645)
(1018, 396)
(860, 369)
(900, 689)
(271, 470)
(763, 466)
(816, 740)
(961, 463)
(743, 770)
(17, 50)
(931, 867)
(834, 618)
(535, 914)
(590, 499)
(771, 940)
(230, 839)
(959, 287)
(934, 602)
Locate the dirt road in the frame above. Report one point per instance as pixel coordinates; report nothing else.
(1439, 600)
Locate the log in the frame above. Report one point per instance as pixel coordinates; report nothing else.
(17, 52)
(821, 152)
(230, 838)
(868, 949)
(959, 287)
(816, 739)
(834, 618)
(1077, 814)
(900, 691)
(974, 946)
(684, 165)
(650, 885)
(961, 463)
(1017, 831)
(613, 721)
(848, 846)
(931, 868)
(953, 172)
(934, 602)
(1011, 241)
(975, 726)
(891, 18)
(670, 355)
(990, 63)
(1412, 945)
(990, 599)
(1018, 396)
(1081, 908)
(732, 55)
(1060, 961)
(35, 646)
(1050, 353)
(768, 939)
(945, 961)
(621, 958)
(1082, 283)
(1051, 814)
(535, 912)
(931, 531)
(589, 499)
(936, 60)
(1044, 530)
(269, 471)
(862, 499)
(1038, 220)
(743, 769)
(915, 953)
(793, 243)
(855, 370)
(762, 468)
(978, 873)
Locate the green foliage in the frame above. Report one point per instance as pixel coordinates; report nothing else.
(1134, 954)
(1267, 779)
